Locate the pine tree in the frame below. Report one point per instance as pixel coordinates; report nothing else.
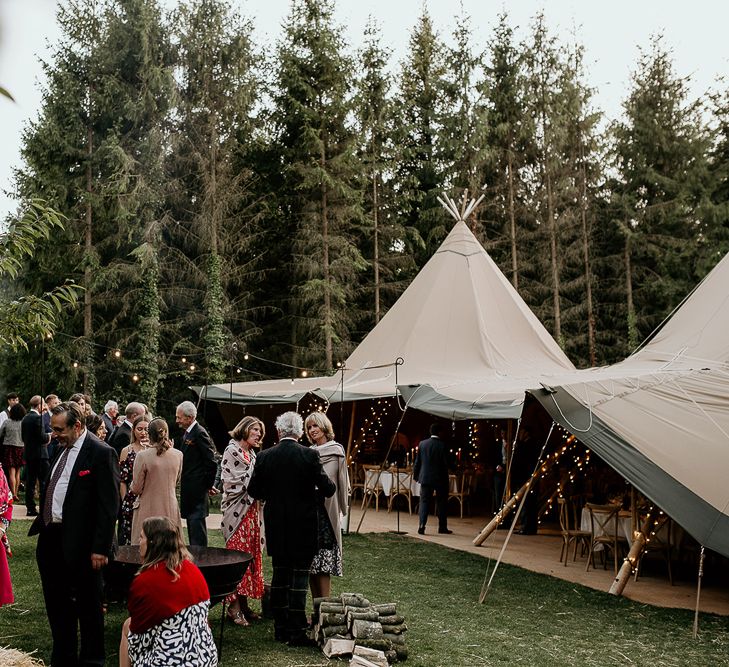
(420, 171)
(660, 149)
(383, 245)
(206, 259)
(503, 117)
(319, 193)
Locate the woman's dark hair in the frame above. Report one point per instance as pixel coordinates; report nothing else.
(94, 423)
(164, 545)
(159, 434)
(17, 412)
(243, 428)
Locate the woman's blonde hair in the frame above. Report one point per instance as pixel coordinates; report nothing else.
(159, 435)
(322, 421)
(243, 429)
(164, 545)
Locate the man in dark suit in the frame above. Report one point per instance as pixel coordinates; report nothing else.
(290, 477)
(431, 471)
(35, 452)
(123, 434)
(75, 532)
(111, 412)
(51, 402)
(198, 473)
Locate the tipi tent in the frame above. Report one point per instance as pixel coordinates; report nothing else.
(459, 321)
(661, 417)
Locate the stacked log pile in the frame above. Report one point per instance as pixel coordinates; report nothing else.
(341, 624)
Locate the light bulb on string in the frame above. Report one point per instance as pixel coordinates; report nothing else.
(75, 364)
(135, 378)
(117, 354)
(245, 356)
(184, 360)
(192, 367)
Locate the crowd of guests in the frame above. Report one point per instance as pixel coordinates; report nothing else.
(112, 479)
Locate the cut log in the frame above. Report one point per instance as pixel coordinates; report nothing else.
(391, 656)
(394, 619)
(331, 619)
(396, 640)
(379, 644)
(366, 629)
(354, 600)
(359, 661)
(402, 652)
(385, 609)
(331, 608)
(338, 646)
(331, 630)
(395, 629)
(364, 615)
(374, 656)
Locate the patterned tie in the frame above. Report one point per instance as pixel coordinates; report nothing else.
(48, 501)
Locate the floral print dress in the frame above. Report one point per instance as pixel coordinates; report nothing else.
(126, 512)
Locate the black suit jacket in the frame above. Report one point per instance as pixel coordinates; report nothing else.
(109, 428)
(198, 468)
(431, 463)
(121, 438)
(91, 504)
(290, 477)
(34, 437)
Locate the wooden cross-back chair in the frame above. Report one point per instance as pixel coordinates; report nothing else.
(604, 528)
(570, 532)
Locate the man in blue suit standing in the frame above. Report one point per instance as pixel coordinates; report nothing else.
(431, 471)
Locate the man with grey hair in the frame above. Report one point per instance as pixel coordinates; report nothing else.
(291, 479)
(111, 411)
(123, 434)
(198, 473)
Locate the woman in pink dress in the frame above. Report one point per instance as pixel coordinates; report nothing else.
(6, 515)
(156, 475)
(241, 526)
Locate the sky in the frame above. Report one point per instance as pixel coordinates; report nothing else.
(611, 33)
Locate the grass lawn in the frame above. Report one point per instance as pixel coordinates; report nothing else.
(528, 619)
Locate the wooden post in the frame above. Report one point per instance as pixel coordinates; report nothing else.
(631, 560)
(502, 514)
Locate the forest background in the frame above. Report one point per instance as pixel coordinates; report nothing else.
(243, 210)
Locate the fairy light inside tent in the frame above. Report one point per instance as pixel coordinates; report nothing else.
(373, 423)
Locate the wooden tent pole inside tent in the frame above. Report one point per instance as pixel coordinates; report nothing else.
(631, 560)
(348, 460)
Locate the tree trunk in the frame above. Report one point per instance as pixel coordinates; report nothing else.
(632, 328)
(512, 223)
(586, 257)
(329, 353)
(376, 253)
(88, 248)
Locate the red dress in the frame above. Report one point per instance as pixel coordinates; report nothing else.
(6, 515)
(247, 537)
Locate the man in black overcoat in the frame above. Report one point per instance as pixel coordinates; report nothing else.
(197, 480)
(75, 531)
(35, 453)
(122, 435)
(431, 471)
(290, 479)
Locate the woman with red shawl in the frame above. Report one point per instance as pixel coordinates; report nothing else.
(168, 605)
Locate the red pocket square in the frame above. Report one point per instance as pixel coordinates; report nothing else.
(83, 473)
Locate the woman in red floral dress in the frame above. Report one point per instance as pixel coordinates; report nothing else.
(241, 525)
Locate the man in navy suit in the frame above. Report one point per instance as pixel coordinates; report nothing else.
(75, 531)
(431, 471)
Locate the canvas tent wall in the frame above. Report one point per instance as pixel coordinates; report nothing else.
(459, 321)
(661, 417)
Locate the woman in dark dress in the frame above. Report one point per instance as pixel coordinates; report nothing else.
(139, 441)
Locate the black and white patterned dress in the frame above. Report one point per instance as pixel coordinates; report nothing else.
(183, 640)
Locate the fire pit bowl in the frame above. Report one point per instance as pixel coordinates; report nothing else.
(222, 568)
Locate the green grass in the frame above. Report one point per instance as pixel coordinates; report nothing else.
(528, 618)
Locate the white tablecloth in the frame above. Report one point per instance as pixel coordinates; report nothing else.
(625, 526)
(387, 481)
